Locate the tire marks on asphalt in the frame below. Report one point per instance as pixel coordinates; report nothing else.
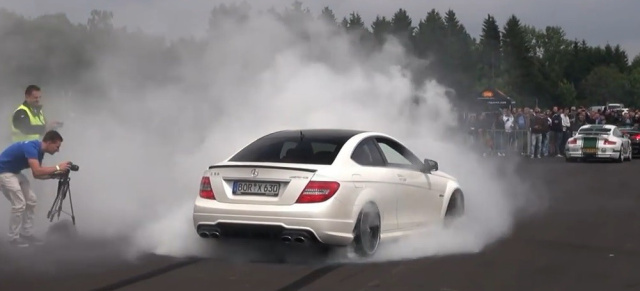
(306, 280)
(310, 278)
(148, 275)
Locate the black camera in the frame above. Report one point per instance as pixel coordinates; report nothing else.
(73, 167)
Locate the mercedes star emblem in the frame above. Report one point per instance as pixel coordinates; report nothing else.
(254, 173)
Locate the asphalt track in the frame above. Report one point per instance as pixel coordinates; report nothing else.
(588, 238)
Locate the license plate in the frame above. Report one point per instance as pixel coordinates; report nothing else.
(589, 150)
(256, 188)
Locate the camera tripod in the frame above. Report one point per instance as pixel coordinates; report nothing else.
(63, 190)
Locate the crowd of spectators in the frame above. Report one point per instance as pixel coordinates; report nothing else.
(538, 133)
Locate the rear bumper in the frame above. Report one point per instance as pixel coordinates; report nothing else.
(326, 223)
(602, 153)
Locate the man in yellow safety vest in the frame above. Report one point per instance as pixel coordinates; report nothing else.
(28, 120)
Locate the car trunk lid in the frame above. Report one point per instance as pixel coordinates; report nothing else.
(260, 183)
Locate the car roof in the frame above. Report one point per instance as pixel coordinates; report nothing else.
(318, 133)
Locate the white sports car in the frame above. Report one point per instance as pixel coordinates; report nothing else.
(332, 187)
(599, 141)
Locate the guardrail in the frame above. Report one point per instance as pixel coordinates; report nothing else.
(500, 142)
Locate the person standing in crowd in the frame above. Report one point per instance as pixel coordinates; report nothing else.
(626, 121)
(556, 132)
(523, 123)
(508, 138)
(581, 120)
(566, 131)
(539, 126)
(546, 135)
(28, 122)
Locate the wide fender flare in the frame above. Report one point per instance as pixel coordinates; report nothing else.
(451, 187)
(367, 195)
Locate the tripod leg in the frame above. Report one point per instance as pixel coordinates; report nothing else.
(62, 194)
(51, 213)
(56, 202)
(73, 216)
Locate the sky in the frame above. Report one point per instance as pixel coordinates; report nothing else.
(599, 22)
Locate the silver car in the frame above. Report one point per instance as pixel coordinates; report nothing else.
(331, 187)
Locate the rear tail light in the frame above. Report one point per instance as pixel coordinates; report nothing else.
(609, 142)
(318, 191)
(636, 137)
(206, 191)
(573, 141)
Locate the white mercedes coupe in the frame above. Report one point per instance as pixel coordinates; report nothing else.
(330, 187)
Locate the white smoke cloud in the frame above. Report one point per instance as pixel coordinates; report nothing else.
(139, 178)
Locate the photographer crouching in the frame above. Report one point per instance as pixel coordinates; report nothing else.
(16, 187)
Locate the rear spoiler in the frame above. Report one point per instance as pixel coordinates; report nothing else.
(264, 167)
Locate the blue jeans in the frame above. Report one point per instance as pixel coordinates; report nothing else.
(545, 143)
(536, 141)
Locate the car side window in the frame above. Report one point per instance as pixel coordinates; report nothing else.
(617, 133)
(367, 154)
(398, 155)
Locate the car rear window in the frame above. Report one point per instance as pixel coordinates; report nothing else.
(594, 130)
(310, 149)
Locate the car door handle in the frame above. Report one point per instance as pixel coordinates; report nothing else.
(402, 178)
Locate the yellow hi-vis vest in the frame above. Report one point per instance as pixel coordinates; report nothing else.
(17, 135)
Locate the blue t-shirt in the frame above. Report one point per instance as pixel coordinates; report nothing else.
(15, 158)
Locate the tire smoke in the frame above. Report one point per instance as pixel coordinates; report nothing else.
(142, 150)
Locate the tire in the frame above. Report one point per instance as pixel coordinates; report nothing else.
(455, 208)
(620, 158)
(367, 231)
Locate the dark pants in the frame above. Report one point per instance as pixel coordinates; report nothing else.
(558, 145)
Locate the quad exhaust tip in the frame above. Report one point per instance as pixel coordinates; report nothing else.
(300, 239)
(209, 234)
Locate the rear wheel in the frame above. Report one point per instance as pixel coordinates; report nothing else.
(620, 158)
(367, 231)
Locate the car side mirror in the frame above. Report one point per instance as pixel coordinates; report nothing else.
(430, 166)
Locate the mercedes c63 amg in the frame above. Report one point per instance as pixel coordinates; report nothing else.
(332, 187)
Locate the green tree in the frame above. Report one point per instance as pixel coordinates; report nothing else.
(459, 56)
(633, 83)
(429, 36)
(381, 27)
(490, 53)
(566, 93)
(402, 28)
(519, 66)
(605, 84)
(327, 16)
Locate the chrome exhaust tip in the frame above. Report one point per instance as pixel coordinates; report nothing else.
(204, 234)
(286, 239)
(215, 234)
(300, 240)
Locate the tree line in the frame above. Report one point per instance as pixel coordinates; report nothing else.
(532, 65)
